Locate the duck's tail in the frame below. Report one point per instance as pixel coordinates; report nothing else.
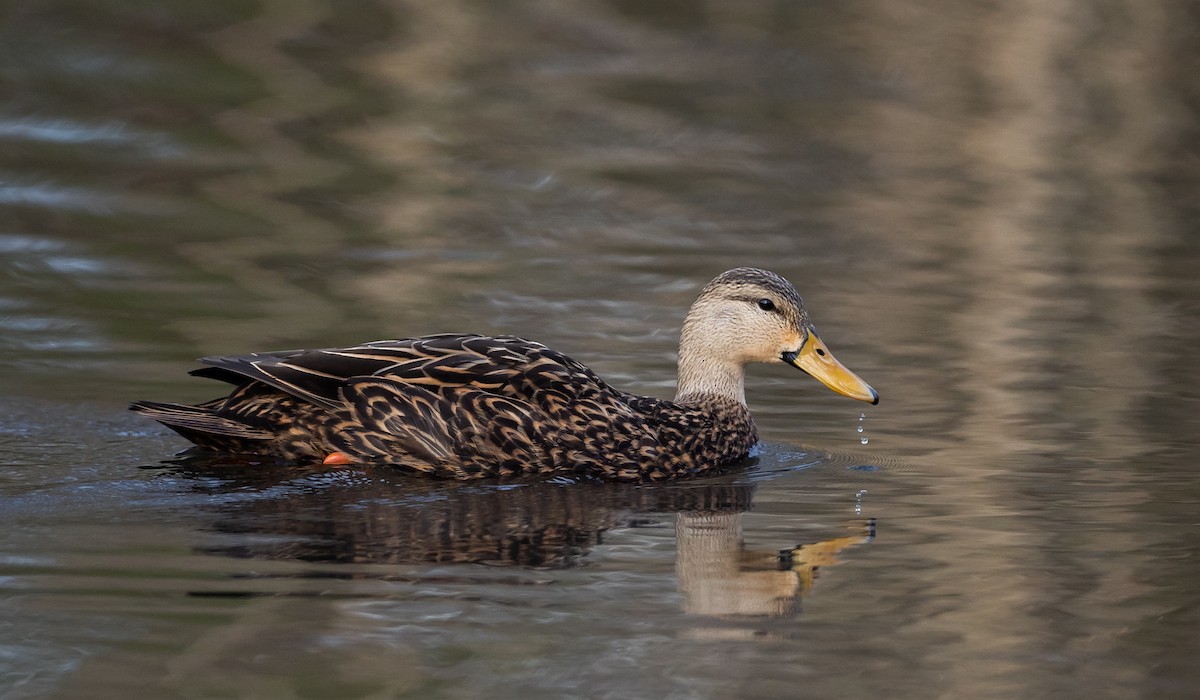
(201, 425)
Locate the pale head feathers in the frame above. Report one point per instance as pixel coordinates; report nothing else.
(744, 315)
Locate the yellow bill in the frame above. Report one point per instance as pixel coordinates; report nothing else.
(815, 359)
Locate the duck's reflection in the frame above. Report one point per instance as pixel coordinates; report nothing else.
(378, 516)
(718, 576)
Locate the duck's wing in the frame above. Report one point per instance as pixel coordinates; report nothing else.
(433, 362)
(456, 403)
(459, 432)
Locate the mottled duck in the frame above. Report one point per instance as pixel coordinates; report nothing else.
(468, 406)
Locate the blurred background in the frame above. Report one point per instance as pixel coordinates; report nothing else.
(991, 210)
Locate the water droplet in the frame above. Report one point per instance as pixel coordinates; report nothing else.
(859, 428)
(864, 440)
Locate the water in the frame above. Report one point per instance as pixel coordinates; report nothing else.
(990, 211)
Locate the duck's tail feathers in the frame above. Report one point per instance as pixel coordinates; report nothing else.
(192, 420)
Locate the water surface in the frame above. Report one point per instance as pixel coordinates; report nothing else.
(990, 211)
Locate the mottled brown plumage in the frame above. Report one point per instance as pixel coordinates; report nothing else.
(467, 406)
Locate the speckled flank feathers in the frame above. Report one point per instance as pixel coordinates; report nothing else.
(467, 406)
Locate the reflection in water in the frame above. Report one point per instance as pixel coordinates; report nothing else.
(719, 577)
(376, 515)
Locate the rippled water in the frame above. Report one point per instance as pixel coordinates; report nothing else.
(990, 210)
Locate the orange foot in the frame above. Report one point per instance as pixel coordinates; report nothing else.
(337, 458)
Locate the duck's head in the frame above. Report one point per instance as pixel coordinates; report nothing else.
(750, 315)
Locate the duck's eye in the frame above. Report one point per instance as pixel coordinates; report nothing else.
(766, 304)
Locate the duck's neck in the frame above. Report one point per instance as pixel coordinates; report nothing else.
(709, 377)
(709, 365)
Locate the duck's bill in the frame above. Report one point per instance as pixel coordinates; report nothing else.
(815, 359)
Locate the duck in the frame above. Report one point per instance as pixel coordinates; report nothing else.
(467, 406)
